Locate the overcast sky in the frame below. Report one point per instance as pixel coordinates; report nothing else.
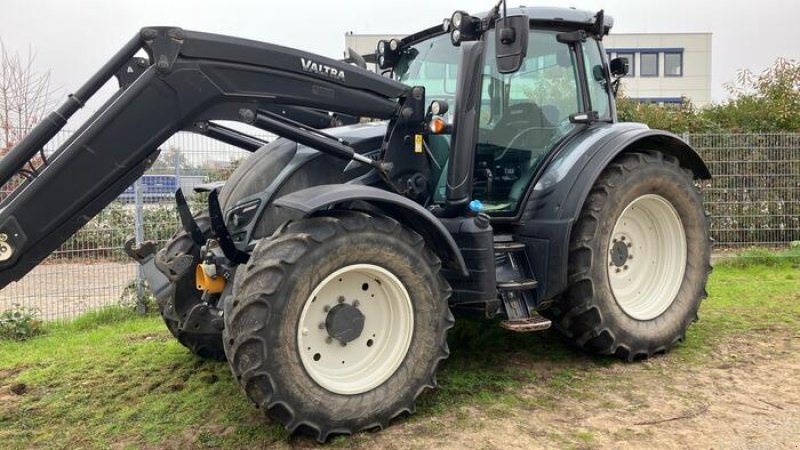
(73, 38)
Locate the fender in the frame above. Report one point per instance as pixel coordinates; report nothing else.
(308, 201)
(557, 197)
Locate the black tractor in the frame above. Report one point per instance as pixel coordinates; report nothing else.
(483, 172)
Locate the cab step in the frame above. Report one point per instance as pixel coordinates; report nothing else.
(527, 325)
(508, 247)
(525, 284)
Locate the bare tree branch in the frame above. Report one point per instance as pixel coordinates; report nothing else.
(25, 95)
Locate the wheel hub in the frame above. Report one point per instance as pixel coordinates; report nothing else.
(619, 253)
(344, 322)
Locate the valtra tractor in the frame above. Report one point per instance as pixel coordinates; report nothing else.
(482, 172)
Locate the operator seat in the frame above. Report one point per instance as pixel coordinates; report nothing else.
(534, 131)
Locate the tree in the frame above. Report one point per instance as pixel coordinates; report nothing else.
(25, 95)
(765, 102)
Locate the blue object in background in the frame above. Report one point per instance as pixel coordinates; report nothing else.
(155, 188)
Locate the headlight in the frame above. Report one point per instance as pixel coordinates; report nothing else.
(455, 36)
(446, 25)
(394, 44)
(458, 17)
(382, 47)
(439, 107)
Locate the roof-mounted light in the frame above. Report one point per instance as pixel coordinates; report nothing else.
(388, 53)
(463, 27)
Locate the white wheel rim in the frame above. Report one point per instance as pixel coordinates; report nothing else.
(647, 257)
(367, 361)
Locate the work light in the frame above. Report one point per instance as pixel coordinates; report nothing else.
(463, 27)
(388, 53)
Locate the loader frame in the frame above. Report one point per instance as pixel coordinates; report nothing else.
(188, 80)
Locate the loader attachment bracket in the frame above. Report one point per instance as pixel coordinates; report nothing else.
(188, 222)
(164, 52)
(128, 73)
(234, 255)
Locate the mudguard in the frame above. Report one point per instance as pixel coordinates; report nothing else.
(402, 209)
(280, 168)
(557, 197)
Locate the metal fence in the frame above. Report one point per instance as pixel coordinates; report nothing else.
(753, 200)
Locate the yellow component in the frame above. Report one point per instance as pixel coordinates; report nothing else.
(418, 143)
(212, 285)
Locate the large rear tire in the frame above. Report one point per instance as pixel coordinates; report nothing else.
(178, 260)
(338, 323)
(639, 260)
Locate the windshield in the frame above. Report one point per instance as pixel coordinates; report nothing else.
(432, 63)
(523, 115)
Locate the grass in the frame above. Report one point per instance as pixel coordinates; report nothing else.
(761, 257)
(116, 379)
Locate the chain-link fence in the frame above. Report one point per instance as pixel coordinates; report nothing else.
(754, 201)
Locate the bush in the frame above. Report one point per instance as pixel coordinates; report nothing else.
(768, 102)
(19, 324)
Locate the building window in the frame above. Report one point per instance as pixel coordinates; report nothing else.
(631, 65)
(649, 64)
(673, 64)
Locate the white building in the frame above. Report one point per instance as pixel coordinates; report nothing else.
(664, 67)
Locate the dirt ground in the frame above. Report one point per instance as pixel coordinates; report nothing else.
(746, 396)
(59, 291)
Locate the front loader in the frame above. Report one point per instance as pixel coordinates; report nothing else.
(494, 180)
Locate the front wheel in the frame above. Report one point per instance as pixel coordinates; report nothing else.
(338, 323)
(639, 260)
(178, 260)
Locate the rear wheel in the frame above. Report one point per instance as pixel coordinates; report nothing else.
(178, 260)
(338, 323)
(639, 260)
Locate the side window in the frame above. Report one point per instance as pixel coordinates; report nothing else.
(598, 89)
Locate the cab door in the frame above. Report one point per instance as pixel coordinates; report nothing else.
(523, 116)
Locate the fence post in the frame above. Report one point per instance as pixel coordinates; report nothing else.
(686, 138)
(138, 223)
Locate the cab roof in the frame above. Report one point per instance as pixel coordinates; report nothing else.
(538, 15)
(568, 16)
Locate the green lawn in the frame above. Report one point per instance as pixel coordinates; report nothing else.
(119, 380)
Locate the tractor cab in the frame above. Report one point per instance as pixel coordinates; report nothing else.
(561, 84)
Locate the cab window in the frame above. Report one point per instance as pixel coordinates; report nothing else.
(523, 116)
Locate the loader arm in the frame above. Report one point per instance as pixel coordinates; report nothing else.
(188, 79)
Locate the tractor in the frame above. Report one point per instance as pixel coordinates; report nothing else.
(479, 170)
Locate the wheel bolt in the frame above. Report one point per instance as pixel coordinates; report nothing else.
(618, 270)
(326, 308)
(305, 331)
(344, 344)
(328, 340)
(321, 325)
(625, 267)
(630, 256)
(341, 299)
(356, 303)
(622, 238)
(630, 245)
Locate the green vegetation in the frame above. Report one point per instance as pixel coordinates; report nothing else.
(766, 102)
(761, 257)
(116, 379)
(19, 324)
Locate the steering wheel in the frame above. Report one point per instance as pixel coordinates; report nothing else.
(514, 141)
